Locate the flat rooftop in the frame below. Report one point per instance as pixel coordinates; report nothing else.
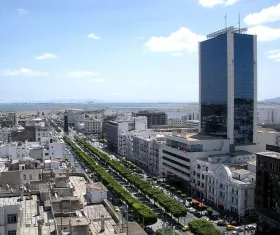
(97, 186)
(196, 137)
(270, 154)
(242, 171)
(240, 153)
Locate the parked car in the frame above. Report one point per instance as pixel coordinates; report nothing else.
(185, 228)
(230, 227)
(239, 230)
(191, 209)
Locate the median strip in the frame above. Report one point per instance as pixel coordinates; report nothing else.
(168, 203)
(139, 209)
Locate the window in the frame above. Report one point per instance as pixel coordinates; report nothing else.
(24, 177)
(12, 232)
(12, 218)
(30, 177)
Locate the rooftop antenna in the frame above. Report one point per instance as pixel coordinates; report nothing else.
(225, 20)
(239, 22)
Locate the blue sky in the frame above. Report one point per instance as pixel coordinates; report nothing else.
(121, 50)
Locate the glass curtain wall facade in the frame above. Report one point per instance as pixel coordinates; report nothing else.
(214, 83)
(243, 88)
(227, 87)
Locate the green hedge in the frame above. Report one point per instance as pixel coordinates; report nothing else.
(203, 227)
(168, 203)
(140, 210)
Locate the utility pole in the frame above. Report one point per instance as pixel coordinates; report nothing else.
(60, 205)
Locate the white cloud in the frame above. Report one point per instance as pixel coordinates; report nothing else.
(78, 74)
(265, 33)
(181, 40)
(46, 56)
(176, 54)
(21, 11)
(96, 80)
(22, 72)
(274, 55)
(212, 3)
(93, 36)
(270, 14)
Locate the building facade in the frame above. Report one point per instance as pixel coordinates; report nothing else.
(153, 118)
(147, 153)
(228, 85)
(269, 116)
(268, 192)
(232, 190)
(181, 151)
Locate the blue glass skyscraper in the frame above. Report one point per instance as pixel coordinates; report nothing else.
(228, 85)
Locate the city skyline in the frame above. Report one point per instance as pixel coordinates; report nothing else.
(123, 51)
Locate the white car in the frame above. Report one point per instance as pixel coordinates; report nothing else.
(192, 210)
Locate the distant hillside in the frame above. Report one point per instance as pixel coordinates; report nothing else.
(271, 101)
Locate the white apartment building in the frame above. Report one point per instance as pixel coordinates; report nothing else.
(269, 115)
(9, 210)
(5, 134)
(37, 122)
(89, 125)
(211, 163)
(119, 133)
(147, 152)
(180, 152)
(125, 140)
(54, 149)
(42, 134)
(232, 189)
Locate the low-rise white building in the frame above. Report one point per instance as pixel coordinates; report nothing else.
(96, 192)
(89, 125)
(232, 189)
(147, 152)
(180, 152)
(9, 211)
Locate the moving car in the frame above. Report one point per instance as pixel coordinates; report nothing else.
(185, 228)
(230, 227)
